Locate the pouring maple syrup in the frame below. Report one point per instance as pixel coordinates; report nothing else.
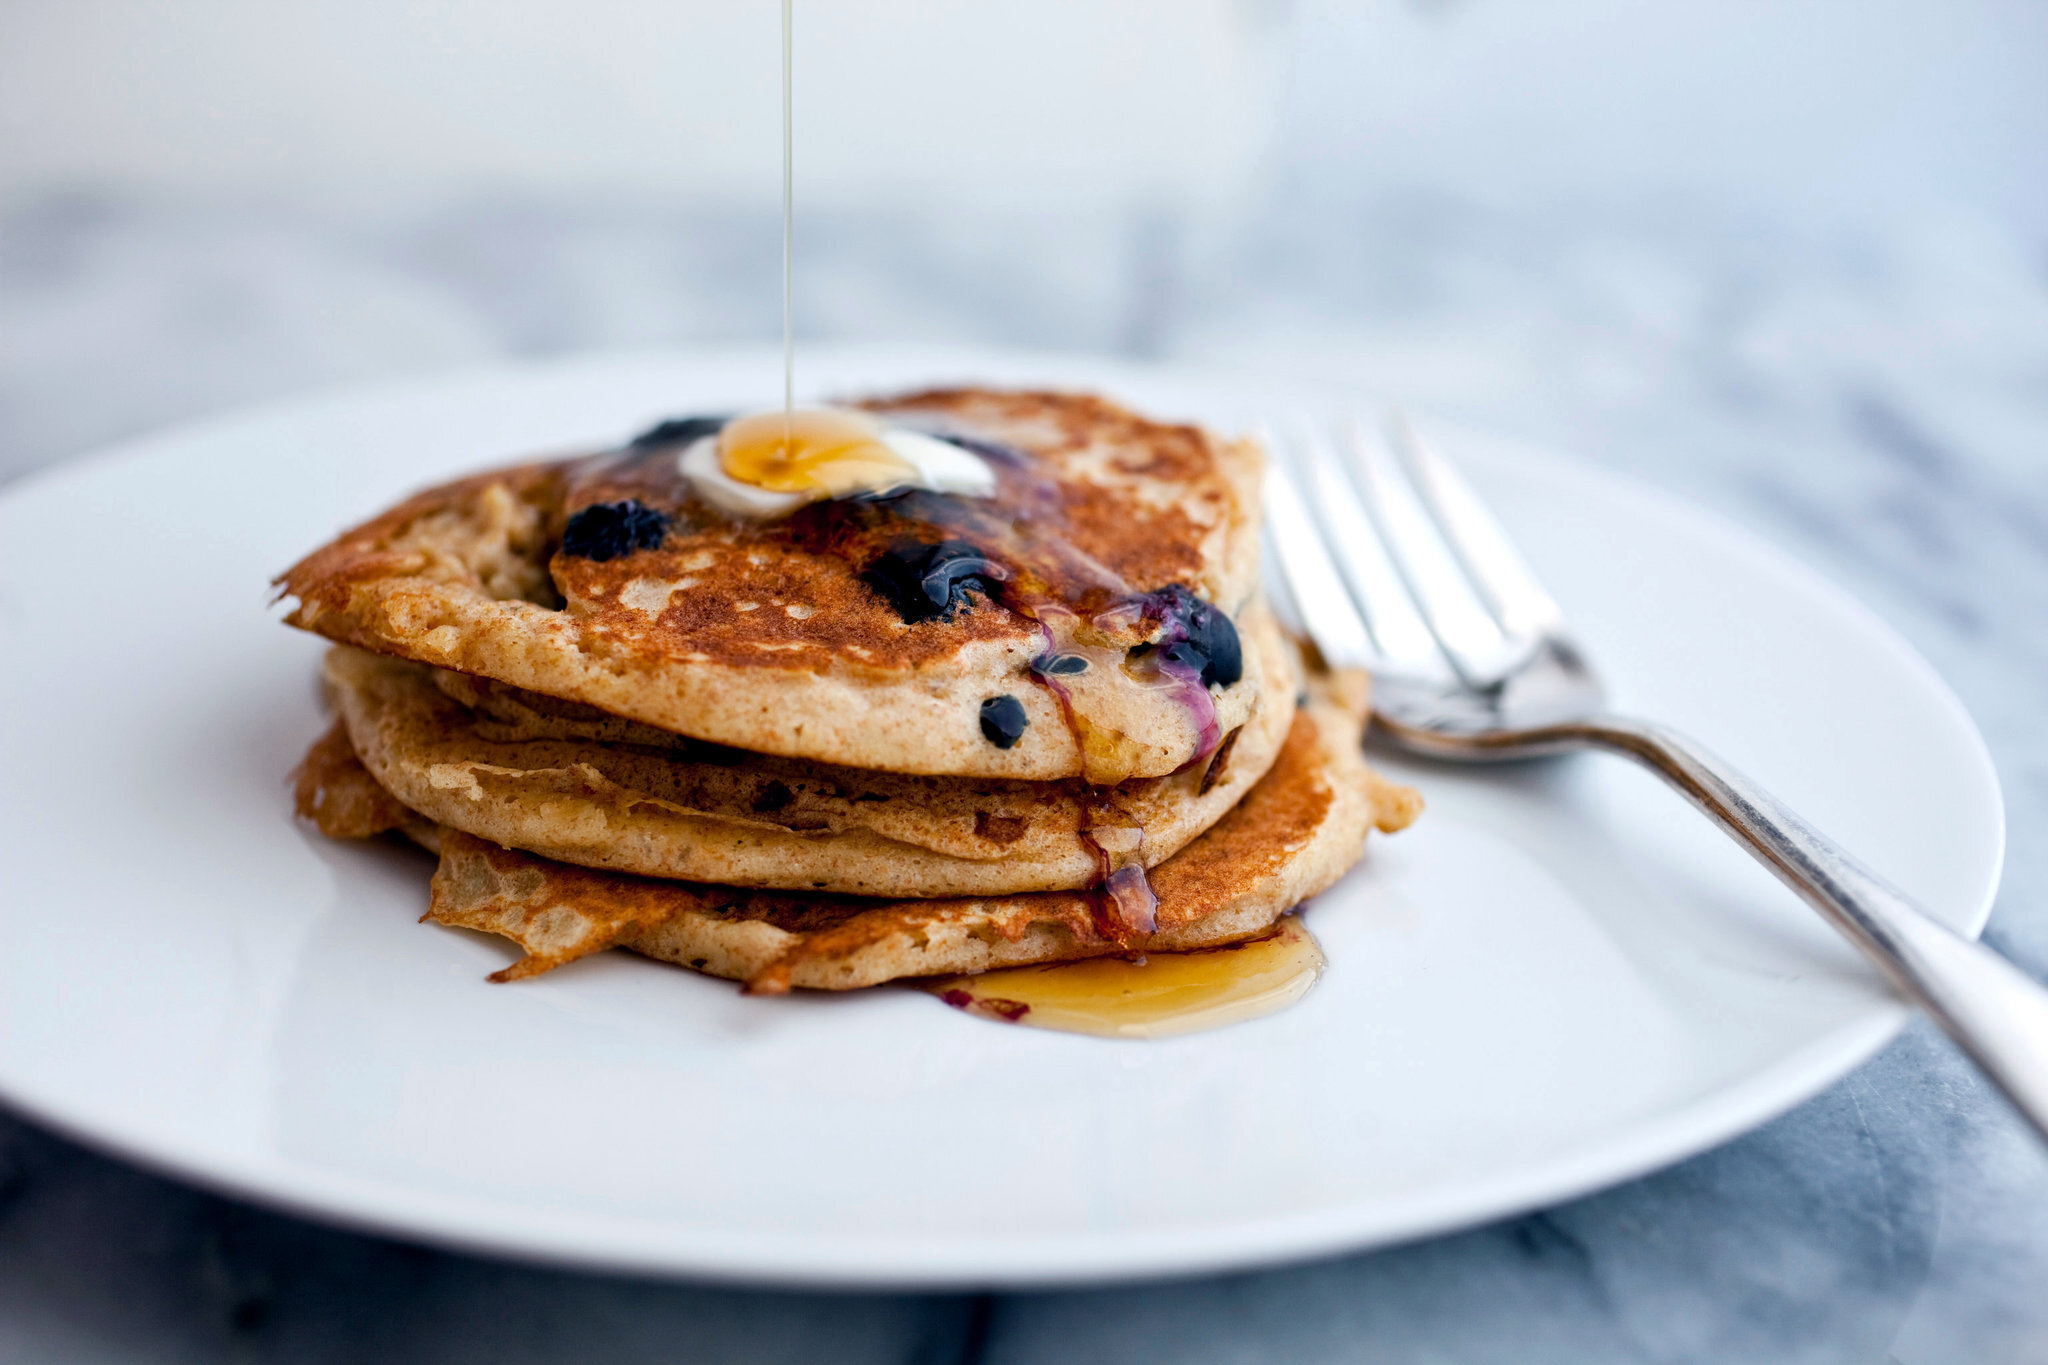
(1156, 996)
(797, 455)
(788, 223)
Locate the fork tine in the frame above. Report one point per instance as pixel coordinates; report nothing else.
(1400, 637)
(1497, 572)
(1306, 572)
(1471, 640)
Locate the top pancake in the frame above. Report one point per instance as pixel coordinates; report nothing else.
(765, 636)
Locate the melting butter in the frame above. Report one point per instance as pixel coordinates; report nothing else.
(768, 464)
(1158, 996)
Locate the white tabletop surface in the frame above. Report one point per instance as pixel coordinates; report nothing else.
(1873, 401)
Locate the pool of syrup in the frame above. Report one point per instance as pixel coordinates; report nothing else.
(1157, 996)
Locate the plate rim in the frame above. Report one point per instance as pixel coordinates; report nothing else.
(614, 1243)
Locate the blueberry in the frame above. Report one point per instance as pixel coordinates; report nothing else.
(678, 431)
(1198, 636)
(1003, 721)
(1063, 665)
(931, 582)
(608, 530)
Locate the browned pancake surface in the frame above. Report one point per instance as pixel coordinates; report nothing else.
(764, 637)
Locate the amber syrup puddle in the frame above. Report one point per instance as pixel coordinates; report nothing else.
(1156, 996)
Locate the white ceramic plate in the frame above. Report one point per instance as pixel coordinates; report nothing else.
(1560, 978)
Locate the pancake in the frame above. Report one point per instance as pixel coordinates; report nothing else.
(1298, 829)
(336, 792)
(1110, 539)
(513, 769)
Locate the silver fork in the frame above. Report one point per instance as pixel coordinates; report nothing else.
(1395, 566)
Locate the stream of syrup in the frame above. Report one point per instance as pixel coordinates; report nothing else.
(788, 228)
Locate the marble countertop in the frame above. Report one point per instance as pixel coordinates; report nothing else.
(1874, 401)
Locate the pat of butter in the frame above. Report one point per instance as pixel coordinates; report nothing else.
(835, 455)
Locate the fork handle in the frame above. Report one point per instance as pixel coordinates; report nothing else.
(1996, 1012)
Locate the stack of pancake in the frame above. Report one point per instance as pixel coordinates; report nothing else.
(899, 731)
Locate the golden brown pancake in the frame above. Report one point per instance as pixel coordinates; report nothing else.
(775, 638)
(1297, 830)
(335, 791)
(573, 784)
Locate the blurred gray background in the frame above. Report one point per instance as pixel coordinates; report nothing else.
(1787, 258)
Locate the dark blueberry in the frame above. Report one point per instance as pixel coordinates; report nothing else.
(1063, 665)
(608, 530)
(1198, 635)
(930, 582)
(1226, 653)
(678, 431)
(1003, 721)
